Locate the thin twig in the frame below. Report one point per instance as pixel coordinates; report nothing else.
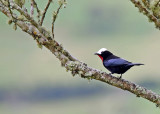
(38, 11)
(32, 9)
(2, 2)
(55, 14)
(9, 7)
(32, 21)
(44, 12)
(156, 5)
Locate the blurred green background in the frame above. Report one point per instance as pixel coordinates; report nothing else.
(32, 80)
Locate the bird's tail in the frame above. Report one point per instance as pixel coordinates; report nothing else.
(137, 64)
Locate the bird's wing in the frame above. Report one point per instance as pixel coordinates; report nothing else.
(116, 62)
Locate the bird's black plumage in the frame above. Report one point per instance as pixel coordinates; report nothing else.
(114, 63)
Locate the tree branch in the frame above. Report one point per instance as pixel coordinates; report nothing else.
(55, 14)
(10, 9)
(150, 8)
(72, 64)
(45, 10)
(38, 11)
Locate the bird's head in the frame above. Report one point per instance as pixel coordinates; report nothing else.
(103, 53)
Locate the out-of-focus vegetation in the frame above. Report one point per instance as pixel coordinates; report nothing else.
(32, 80)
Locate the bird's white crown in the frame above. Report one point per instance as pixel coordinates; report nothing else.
(101, 50)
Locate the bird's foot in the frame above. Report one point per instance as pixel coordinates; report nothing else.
(110, 74)
(120, 77)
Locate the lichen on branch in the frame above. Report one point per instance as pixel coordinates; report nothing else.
(150, 8)
(75, 66)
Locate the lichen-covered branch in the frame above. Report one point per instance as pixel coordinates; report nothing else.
(71, 64)
(10, 9)
(150, 8)
(38, 11)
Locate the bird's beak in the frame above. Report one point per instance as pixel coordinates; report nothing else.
(95, 53)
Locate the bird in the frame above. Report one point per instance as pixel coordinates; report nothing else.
(114, 63)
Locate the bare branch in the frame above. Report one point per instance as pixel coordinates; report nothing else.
(55, 14)
(38, 11)
(44, 12)
(32, 9)
(32, 21)
(9, 7)
(150, 10)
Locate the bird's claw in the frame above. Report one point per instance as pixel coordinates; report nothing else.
(120, 77)
(110, 74)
